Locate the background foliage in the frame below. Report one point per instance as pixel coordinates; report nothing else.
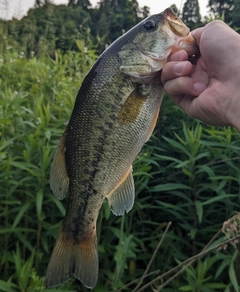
(188, 173)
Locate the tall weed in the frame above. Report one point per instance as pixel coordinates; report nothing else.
(188, 174)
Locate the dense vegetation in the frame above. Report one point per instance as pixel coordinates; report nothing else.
(187, 174)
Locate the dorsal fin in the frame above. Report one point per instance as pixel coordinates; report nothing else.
(121, 199)
(58, 175)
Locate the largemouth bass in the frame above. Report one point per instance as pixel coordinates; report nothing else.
(115, 112)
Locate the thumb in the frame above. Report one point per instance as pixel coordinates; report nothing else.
(196, 33)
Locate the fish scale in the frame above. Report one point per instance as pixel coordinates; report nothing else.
(114, 114)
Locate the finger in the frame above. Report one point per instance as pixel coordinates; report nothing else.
(186, 103)
(174, 69)
(178, 56)
(185, 85)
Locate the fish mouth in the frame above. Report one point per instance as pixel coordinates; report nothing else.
(175, 23)
(180, 32)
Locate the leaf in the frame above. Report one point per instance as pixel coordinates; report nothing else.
(232, 276)
(193, 233)
(188, 173)
(116, 231)
(186, 288)
(218, 198)
(176, 145)
(15, 230)
(107, 210)
(8, 202)
(26, 271)
(8, 286)
(170, 187)
(59, 205)
(24, 165)
(5, 144)
(199, 209)
(39, 200)
(224, 263)
(215, 285)
(20, 214)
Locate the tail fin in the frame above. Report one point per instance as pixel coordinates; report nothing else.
(79, 259)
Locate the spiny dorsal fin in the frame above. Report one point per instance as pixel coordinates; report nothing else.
(58, 175)
(121, 199)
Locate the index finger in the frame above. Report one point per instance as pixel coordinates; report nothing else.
(178, 56)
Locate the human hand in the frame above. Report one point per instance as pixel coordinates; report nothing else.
(209, 89)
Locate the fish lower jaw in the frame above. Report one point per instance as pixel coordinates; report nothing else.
(186, 43)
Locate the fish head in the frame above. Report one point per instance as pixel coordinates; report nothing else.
(145, 48)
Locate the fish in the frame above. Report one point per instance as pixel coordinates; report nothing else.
(114, 114)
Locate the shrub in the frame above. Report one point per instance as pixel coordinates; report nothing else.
(188, 173)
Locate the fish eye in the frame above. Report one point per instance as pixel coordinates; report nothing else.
(149, 25)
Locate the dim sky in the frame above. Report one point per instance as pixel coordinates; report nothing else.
(19, 8)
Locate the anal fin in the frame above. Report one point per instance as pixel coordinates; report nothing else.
(121, 198)
(59, 180)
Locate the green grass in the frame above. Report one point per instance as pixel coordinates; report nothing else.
(188, 174)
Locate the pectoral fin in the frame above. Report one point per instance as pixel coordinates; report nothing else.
(121, 198)
(58, 175)
(132, 106)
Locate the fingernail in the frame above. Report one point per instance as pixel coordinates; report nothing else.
(199, 87)
(179, 56)
(178, 68)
